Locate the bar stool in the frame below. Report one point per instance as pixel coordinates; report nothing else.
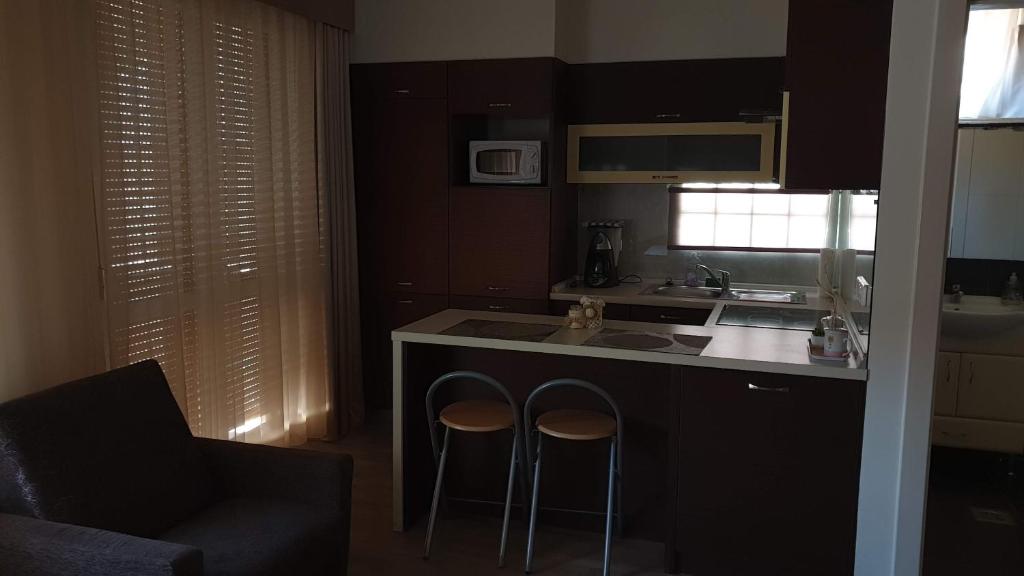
(476, 416)
(577, 425)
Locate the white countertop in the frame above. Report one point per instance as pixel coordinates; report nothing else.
(731, 347)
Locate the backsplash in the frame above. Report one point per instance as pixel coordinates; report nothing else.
(644, 208)
(980, 277)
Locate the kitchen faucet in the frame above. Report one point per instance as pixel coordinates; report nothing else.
(716, 282)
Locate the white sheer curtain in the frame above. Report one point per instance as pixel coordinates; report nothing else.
(209, 210)
(993, 74)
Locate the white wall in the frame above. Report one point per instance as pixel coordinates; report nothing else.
(573, 30)
(410, 30)
(921, 116)
(617, 31)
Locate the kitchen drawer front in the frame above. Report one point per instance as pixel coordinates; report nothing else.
(947, 374)
(407, 80)
(408, 308)
(513, 305)
(670, 315)
(517, 87)
(991, 388)
(499, 242)
(611, 311)
(973, 434)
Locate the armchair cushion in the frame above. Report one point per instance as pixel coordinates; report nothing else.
(251, 537)
(110, 451)
(31, 547)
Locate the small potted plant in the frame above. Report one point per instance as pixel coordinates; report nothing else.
(818, 335)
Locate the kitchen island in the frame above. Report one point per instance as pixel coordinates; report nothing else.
(744, 456)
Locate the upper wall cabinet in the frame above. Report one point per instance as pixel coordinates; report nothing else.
(406, 80)
(837, 65)
(725, 90)
(517, 87)
(988, 195)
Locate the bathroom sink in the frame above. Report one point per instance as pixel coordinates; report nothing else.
(980, 316)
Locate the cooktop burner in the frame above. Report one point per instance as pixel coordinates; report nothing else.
(766, 317)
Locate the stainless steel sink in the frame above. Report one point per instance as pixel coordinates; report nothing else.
(684, 291)
(744, 294)
(778, 296)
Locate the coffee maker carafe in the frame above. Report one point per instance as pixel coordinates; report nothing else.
(601, 270)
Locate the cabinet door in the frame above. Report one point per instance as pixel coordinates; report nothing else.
(836, 75)
(607, 93)
(394, 312)
(408, 80)
(519, 87)
(996, 194)
(991, 388)
(500, 242)
(511, 305)
(768, 473)
(669, 315)
(947, 374)
(410, 181)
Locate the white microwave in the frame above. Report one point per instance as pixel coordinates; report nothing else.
(505, 161)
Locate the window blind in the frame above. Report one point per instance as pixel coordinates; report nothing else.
(209, 207)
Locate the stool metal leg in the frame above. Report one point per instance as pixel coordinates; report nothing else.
(612, 473)
(508, 498)
(437, 493)
(533, 504)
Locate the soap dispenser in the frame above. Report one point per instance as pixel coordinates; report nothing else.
(1012, 291)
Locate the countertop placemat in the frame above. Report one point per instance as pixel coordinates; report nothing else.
(649, 341)
(498, 330)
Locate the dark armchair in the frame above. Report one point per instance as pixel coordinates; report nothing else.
(102, 476)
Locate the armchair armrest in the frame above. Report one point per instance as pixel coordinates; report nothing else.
(34, 547)
(321, 479)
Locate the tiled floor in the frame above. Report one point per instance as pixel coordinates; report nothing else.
(462, 545)
(970, 499)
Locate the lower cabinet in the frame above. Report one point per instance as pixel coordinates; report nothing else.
(611, 311)
(768, 473)
(978, 402)
(394, 312)
(513, 305)
(669, 315)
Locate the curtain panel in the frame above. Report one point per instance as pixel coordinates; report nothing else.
(338, 224)
(209, 211)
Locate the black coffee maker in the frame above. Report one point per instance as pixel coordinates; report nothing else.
(601, 270)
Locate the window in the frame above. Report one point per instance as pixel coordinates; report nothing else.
(771, 222)
(993, 69)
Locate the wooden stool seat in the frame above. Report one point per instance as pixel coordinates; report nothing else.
(477, 416)
(577, 424)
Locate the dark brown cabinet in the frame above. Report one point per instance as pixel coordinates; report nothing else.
(669, 315)
(836, 76)
(611, 311)
(500, 242)
(400, 137)
(410, 202)
(721, 90)
(768, 473)
(512, 305)
(518, 87)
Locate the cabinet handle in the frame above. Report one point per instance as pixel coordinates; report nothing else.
(406, 301)
(403, 91)
(667, 317)
(665, 177)
(497, 289)
(949, 370)
(961, 435)
(496, 308)
(756, 388)
(407, 284)
(667, 116)
(499, 105)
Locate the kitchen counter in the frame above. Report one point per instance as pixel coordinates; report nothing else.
(631, 294)
(731, 347)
